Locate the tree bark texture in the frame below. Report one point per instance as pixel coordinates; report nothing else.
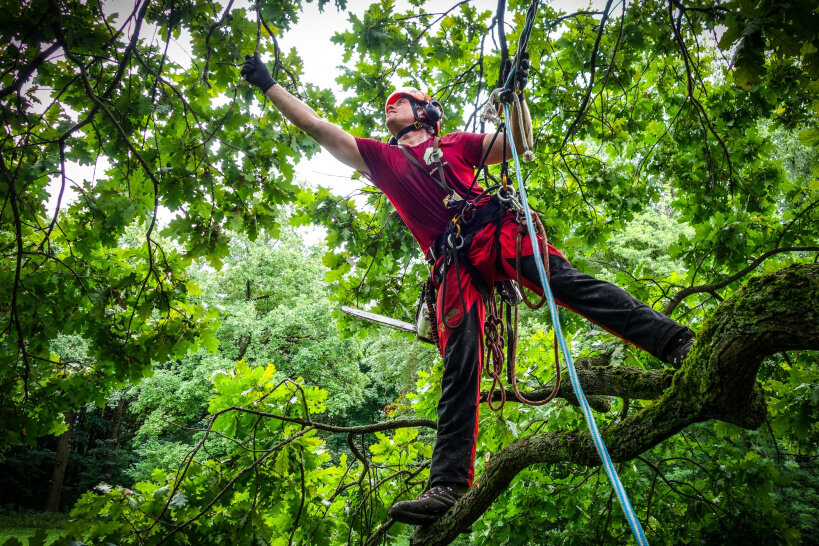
(775, 312)
(113, 436)
(60, 464)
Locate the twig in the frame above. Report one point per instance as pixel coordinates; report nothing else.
(582, 109)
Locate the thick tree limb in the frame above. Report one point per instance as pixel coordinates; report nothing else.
(601, 381)
(775, 312)
(685, 292)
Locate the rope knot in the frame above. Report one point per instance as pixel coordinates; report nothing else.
(490, 115)
(490, 112)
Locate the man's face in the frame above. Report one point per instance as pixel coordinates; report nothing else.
(399, 115)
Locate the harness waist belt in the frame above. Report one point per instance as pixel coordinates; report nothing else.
(492, 211)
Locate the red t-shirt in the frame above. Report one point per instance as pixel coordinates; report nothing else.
(415, 195)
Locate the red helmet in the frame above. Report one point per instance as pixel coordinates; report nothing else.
(407, 92)
(432, 108)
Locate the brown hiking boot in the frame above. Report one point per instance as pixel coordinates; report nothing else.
(429, 506)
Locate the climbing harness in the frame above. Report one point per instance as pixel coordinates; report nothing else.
(450, 251)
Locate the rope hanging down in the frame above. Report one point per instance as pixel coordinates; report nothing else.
(599, 444)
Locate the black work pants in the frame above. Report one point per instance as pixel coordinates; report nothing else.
(492, 258)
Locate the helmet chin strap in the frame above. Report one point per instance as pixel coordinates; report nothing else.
(416, 124)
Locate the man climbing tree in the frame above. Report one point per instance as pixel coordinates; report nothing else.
(470, 240)
(678, 157)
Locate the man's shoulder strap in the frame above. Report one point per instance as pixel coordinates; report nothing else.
(436, 153)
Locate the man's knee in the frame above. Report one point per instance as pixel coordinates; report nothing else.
(561, 272)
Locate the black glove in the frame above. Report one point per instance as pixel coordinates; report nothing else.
(522, 72)
(521, 76)
(255, 72)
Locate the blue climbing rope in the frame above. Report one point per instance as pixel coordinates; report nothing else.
(599, 444)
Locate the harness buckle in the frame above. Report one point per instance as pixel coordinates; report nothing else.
(469, 207)
(452, 201)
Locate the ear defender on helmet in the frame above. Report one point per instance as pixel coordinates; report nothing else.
(433, 111)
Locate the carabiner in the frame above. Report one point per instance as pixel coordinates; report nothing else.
(506, 194)
(458, 239)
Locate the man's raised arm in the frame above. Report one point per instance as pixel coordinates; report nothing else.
(332, 138)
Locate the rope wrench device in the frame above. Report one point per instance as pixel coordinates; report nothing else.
(597, 438)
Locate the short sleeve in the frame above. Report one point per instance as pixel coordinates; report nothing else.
(471, 145)
(373, 153)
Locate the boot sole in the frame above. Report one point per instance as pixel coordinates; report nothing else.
(412, 518)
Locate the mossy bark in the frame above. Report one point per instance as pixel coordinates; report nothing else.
(775, 312)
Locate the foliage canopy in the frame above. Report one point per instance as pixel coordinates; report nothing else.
(689, 131)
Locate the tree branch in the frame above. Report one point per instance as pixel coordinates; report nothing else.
(28, 71)
(582, 109)
(775, 312)
(684, 293)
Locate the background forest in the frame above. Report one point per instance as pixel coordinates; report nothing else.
(173, 366)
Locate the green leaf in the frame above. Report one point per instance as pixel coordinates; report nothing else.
(749, 60)
(809, 137)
